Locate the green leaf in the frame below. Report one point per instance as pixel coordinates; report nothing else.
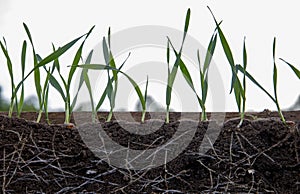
(81, 80)
(186, 73)
(8, 60)
(89, 57)
(210, 52)
(110, 90)
(146, 91)
(88, 85)
(205, 90)
(171, 77)
(296, 71)
(77, 58)
(37, 76)
(28, 33)
(186, 26)
(57, 86)
(46, 88)
(137, 89)
(274, 48)
(240, 68)
(244, 54)
(23, 59)
(39, 58)
(227, 51)
(53, 56)
(275, 80)
(203, 80)
(275, 69)
(109, 37)
(187, 76)
(58, 52)
(187, 20)
(244, 73)
(105, 51)
(107, 61)
(101, 100)
(10, 70)
(172, 74)
(74, 63)
(168, 56)
(56, 61)
(183, 69)
(104, 67)
(237, 94)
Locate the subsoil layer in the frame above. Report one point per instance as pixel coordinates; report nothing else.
(262, 156)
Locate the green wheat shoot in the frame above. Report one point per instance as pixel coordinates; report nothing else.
(142, 97)
(236, 86)
(275, 97)
(15, 102)
(38, 64)
(65, 90)
(204, 73)
(172, 72)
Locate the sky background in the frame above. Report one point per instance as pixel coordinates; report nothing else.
(59, 22)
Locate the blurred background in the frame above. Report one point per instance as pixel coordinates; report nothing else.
(59, 22)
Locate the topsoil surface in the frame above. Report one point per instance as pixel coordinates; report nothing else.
(262, 156)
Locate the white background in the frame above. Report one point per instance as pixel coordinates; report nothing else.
(60, 21)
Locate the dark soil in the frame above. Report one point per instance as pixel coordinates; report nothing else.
(262, 156)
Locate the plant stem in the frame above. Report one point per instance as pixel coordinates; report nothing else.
(67, 113)
(46, 114)
(109, 115)
(168, 115)
(143, 116)
(94, 116)
(39, 116)
(242, 116)
(244, 100)
(280, 112)
(203, 115)
(11, 108)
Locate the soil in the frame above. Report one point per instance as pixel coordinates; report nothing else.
(261, 156)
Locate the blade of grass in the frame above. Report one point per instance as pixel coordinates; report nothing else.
(235, 82)
(37, 76)
(172, 74)
(210, 52)
(101, 100)
(111, 91)
(275, 83)
(71, 74)
(52, 57)
(240, 68)
(23, 59)
(187, 75)
(204, 72)
(274, 70)
(133, 83)
(109, 87)
(228, 53)
(46, 92)
(295, 70)
(10, 70)
(77, 57)
(88, 85)
(145, 97)
(244, 82)
(56, 85)
(81, 80)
